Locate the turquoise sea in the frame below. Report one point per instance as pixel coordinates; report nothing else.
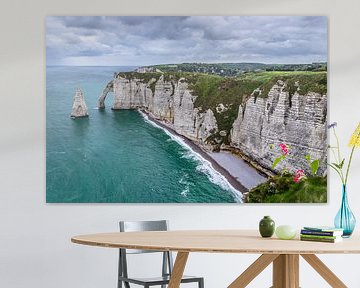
(118, 156)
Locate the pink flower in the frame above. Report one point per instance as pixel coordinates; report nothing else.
(284, 149)
(299, 175)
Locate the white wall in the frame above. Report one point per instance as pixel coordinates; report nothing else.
(35, 248)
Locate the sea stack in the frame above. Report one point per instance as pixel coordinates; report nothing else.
(79, 108)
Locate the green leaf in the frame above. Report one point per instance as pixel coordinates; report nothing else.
(314, 166)
(271, 146)
(342, 163)
(307, 157)
(334, 167)
(337, 171)
(277, 161)
(339, 166)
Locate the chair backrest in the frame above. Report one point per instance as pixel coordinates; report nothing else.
(137, 226)
(133, 226)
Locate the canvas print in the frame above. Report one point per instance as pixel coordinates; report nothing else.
(186, 109)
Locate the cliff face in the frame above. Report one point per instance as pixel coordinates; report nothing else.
(297, 120)
(171, 102)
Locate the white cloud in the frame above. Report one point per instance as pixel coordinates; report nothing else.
(150, 40)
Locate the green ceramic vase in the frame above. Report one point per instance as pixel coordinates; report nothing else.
(267, 227)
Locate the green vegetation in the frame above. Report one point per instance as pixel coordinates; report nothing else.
(320, 66)
(213, 90)
(235, 69)
(152, 77)
(168, 77)
(266, 76)
(308, 81)
(220, 69)
(146, 77)
(283, 189)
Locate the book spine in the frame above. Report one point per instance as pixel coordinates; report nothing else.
(319, 236)
(319, 233)
(317, 239)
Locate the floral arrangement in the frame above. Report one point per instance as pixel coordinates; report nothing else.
(339, 163)
(300, 173)
(303, 183)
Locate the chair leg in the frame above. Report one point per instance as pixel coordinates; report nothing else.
(120, 273)
(201, 283)
(164, 266)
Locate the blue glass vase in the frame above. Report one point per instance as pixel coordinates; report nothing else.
(345, 219)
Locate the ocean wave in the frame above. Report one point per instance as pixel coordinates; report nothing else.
(183, 180)
(185, 191)
(204, 166)
(186, 184)
(187, 154)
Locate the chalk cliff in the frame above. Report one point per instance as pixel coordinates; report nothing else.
(263, 120)
(168, 101)
(79, 108)
(297, 120)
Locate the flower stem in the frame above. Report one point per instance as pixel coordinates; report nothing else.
(338, 145)
(334, 154)
(338, 170)
(340, 159)
(348, 167)
(351, 156)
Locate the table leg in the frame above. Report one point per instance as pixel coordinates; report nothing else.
(178, 269)
(253, 270)
(286, 271)
(324, 271)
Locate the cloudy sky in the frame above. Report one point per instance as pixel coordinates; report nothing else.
(136, 41)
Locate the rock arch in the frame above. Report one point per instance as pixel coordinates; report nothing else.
(109, 88)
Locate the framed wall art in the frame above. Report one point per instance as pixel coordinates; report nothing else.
(193, 109)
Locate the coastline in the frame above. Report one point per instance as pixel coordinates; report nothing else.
(220, 164)
(246, 174)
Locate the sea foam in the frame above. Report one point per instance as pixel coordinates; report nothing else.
(204, 165)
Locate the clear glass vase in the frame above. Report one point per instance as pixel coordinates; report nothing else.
(345, 219)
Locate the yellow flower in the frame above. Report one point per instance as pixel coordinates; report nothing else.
(355, 138)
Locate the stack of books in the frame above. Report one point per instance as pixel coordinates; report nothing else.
(321, 234)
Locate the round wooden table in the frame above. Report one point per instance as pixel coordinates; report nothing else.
(284, 254)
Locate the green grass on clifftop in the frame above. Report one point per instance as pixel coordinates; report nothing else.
(236, 69)
(173, 77)
(283, 189)
(308, 81)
